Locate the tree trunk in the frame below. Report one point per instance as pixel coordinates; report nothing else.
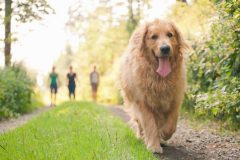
(139, 10)
(132, 21)
(131, 15)
(7, 24)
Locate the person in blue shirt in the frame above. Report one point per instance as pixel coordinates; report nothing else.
(53, 85)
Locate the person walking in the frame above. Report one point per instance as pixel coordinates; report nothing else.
(53, 86)
(71, 77)
(94, 80)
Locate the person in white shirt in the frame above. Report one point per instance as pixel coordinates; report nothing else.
(94, 80)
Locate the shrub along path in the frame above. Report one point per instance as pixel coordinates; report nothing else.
(196, 143)
(7, 125)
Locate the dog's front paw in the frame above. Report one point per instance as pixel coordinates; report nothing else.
(166, 134)
(139, 135)
(156, 149)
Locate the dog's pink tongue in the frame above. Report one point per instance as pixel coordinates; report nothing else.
(164, 67)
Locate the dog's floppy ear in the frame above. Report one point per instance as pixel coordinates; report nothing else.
(182, 44)
(137, 39)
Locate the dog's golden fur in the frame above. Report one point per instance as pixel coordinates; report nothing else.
(152, 100)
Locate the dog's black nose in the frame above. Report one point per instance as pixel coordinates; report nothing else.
(165, 49)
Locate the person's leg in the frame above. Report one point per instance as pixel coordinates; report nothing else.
(54, 100)
(69, 92)
(74, 95)
(52, 91)
(95, 92)
(94, 96)
(55, 96)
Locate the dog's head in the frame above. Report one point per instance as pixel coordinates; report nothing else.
(162, 43)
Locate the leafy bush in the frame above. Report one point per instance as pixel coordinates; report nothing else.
(16, 89)
(214, 69)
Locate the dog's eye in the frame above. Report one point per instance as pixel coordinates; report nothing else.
(154, 37)
(169, 34)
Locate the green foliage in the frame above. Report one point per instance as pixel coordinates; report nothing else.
(105, 32)
(193, 18)
(16, 90)
(22, 11)
(104, 42)
(77, 131)
(29, 10)
(214, 68)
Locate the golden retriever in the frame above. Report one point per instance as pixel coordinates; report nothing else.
(153, 80)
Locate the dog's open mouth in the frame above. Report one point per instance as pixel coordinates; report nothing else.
(164, 66)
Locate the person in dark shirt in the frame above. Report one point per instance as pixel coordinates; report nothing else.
(53, 85)
(71, 77)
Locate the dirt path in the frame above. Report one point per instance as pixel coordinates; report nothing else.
(7, 125)
(189, 143)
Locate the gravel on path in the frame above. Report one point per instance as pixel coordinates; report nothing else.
(7, 125)
(190, 143)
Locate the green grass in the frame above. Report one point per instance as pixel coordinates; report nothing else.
(73, 130)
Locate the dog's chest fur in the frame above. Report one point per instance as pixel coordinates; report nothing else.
(155, 91)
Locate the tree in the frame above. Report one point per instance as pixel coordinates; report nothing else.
(79, 15)
(133, 18)
(22, 11)
(184, 1)
(7, 40)
(105, 31)
(135, 13)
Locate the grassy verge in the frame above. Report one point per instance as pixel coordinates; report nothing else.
(199, 123)
(77, 130)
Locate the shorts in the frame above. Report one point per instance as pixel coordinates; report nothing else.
(53, 88)
(71, 89)
(94, 87)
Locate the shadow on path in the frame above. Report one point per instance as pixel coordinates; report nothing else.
(171, 152)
